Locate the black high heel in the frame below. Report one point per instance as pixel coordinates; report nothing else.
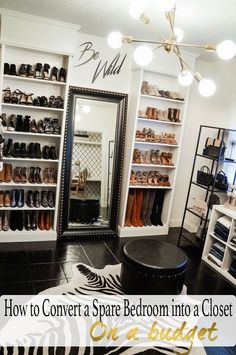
(54, 72)
(23, 70)
(29, 71)
(7, 95)
(46, 68)
(38, 71)
(12, 69)
(6, 69)
(62, 75)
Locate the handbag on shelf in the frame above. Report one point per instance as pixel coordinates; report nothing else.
(221, 181)
(204, 176)
(214, 148)
(199, 206)
(213, 200)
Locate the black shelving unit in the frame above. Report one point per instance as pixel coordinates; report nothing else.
(219, 133)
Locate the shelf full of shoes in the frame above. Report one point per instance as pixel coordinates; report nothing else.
(220, 246)
(34, 90)
(158, 106)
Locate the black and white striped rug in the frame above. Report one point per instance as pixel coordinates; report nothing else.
(90, 281)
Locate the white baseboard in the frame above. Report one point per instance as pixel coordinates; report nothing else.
(187, 225)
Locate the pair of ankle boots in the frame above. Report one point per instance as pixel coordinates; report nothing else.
(144, 208)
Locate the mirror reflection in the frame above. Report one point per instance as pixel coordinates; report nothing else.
(92, 163)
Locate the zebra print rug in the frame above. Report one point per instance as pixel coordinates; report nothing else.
(89, 281)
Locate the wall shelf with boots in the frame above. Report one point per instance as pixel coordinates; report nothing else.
(34, 100)
(155, 127)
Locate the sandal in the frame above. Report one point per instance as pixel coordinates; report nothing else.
(153, 157)
(136, 156)
(29, 99)
(157, 178)
(144, 88)
(139, 178)
(169, 157)
(158, 157)
(151, 178)
(15, 96)
(142, 157)
(7, 95)
(133, 180)
(163, 158)
(144, 178)
(176, 115)
(165, 180)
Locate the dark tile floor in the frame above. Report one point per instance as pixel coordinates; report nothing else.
(28, 268)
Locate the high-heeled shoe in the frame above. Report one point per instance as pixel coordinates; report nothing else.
(54, 72)
(6, 69)
(153, 157)
(23, 70)
(33, 126)
(12, 69)
(62, 75)
(38, 71)
(46, 68)
(29, 71)
(7, 95)
(133, 180)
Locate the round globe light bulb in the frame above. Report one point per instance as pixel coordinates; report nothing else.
(185, 77)
(226, 50)
(136, 9)
(86, 108)
(143, 55)
(179, 34)
(115, 40)
(166, 5)
(206, 87)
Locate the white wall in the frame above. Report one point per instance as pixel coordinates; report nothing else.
(111, 66)
(218, 110)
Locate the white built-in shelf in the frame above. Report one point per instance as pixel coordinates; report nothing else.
(219, 240)
(27, 184)
(31, 107)
(157, 187)
(26, 208)
(77, 141)
(156, 143)
(30, 160)
(32, 134)
(41, 81)
(232, 246)
(153, 166)
(159, 121)
(229, 249)
(162, 99)
(27, 236)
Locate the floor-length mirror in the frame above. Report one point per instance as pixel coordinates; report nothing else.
(92, 163)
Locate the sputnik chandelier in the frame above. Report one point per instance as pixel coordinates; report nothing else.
(143, 54)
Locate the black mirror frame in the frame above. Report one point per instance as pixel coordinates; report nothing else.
(122, 103)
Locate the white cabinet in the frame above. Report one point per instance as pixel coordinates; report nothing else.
(38, 87)
(226, 245)
(138, 104)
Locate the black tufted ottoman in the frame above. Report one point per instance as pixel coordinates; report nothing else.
(151, 267)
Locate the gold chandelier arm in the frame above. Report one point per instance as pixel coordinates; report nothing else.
(156, 30)
(158, 47)
(182, 61)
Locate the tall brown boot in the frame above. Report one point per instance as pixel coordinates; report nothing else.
(133, 218)
(149, 207)
(8, 173)
(2, 173)
(129, 209)
(139, 207)
(144, 206)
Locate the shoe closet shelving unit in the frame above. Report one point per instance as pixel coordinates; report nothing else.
(211, 238)
(138, 101)
(13, 54)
